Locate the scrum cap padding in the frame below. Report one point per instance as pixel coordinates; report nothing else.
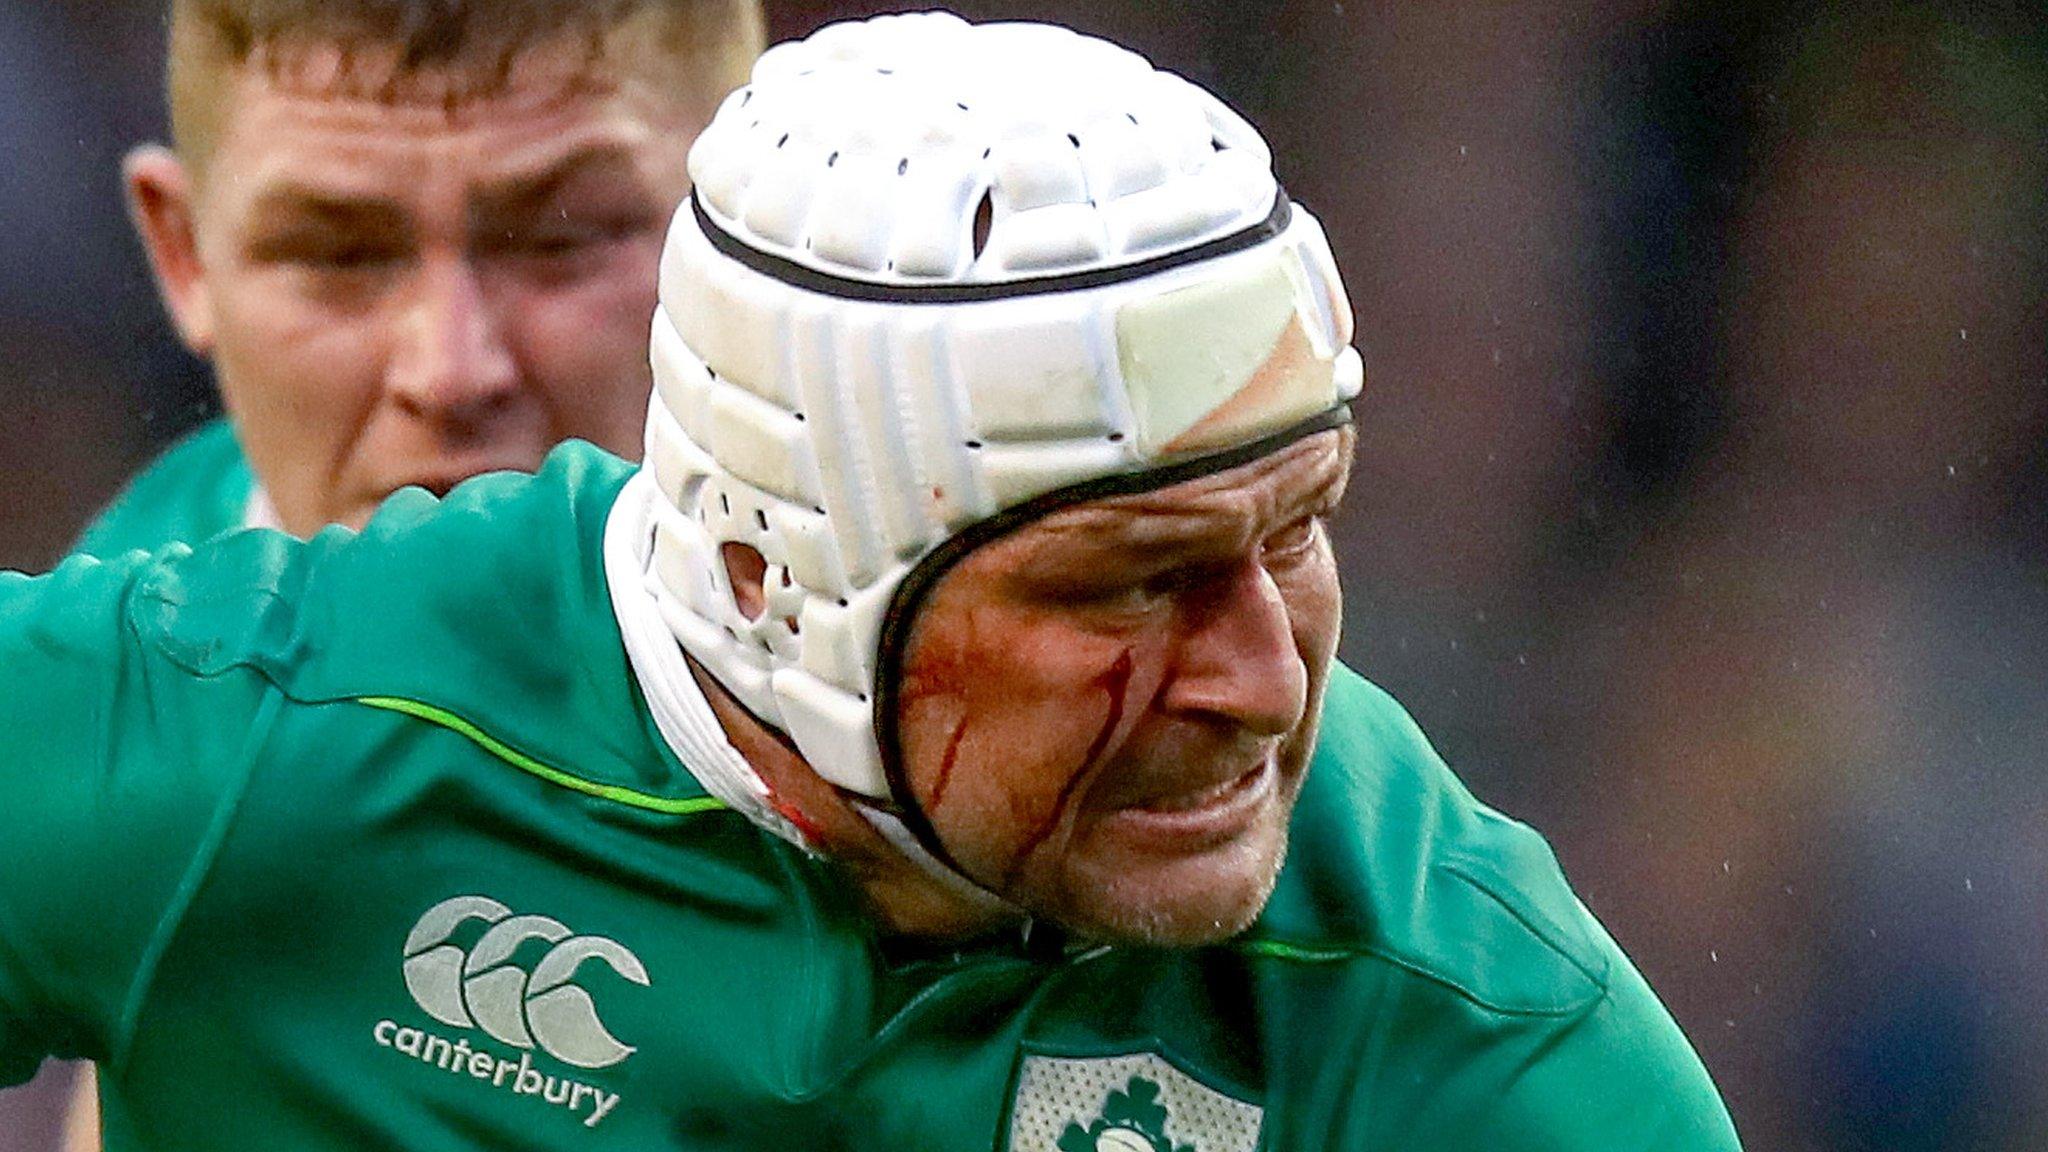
(870, 150)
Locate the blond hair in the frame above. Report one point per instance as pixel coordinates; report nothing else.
(700, 49)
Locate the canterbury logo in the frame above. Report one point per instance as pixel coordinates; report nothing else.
(483, 989)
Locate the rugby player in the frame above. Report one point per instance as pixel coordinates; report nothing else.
(938, 744)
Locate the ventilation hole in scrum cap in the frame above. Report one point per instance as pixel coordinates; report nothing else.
(974, 445)
(761, 518)
(784, 140)
(746, 571)
(724, 505)
(984, 219)
(1217, 143)
(1073, 139)
(903, 166)
(832, 160)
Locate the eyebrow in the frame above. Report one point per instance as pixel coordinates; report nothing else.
(294, 201)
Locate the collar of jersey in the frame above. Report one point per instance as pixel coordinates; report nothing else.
(680, 712)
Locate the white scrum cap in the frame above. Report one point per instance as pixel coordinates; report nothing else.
(935, 276)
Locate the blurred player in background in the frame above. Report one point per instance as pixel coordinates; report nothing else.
(416, 239)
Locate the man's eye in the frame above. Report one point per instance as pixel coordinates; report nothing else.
(355, 257)
(1121, 597)
(320, 254)
(548, 245)
(564, 239)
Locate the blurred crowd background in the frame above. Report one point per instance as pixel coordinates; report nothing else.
(1700, 505)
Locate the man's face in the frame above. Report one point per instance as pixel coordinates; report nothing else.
(1107, 714)
(403, 292)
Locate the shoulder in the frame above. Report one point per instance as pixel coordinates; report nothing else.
(198, 488)
(1391, 856)
(504, 553)
(1531, 1024)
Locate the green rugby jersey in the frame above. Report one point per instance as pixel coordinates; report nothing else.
(371, 842)
(199, 488)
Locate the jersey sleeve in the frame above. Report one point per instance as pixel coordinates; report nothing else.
(1619, 1077)
(115, 766)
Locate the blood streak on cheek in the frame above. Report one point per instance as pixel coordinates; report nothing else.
(1116, 682)
(946, 764)
(941, 671)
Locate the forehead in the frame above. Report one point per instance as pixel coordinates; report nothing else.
(323, 119)
(1226, 509)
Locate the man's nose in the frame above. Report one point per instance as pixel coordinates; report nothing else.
(450, 359)
(1235, 654)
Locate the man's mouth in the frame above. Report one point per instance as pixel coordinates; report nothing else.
(1202, 797)
(439, 486)
(442, 481)
(1200, 817)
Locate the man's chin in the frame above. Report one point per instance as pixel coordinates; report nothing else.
(1186, 902)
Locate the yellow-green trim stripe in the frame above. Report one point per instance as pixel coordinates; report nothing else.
(667, 806)
(1281, 950)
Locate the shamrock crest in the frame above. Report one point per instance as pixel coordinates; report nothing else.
(1132, 1120)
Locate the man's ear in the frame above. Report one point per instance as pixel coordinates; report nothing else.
(161, 200)
(747, 569)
